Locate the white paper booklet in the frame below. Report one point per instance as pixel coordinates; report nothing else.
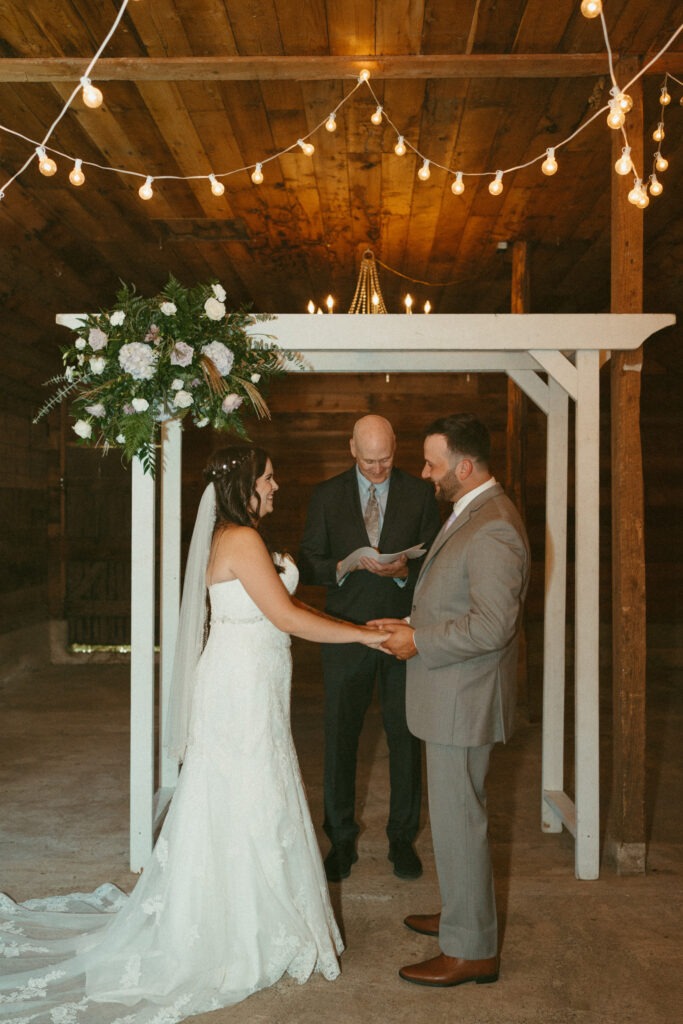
(351, 561)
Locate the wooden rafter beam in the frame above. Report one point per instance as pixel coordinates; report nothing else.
(182, 69)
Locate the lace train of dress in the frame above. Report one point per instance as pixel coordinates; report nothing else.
(234, 895)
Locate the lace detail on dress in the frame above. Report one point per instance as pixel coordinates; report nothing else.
(202, 929)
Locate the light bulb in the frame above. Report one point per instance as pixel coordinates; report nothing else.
(624, 102)
(364, 76)
(591, 8)
(329, 302)
(656, 187)
(458, 186)
(428, 306)
(257, 175)
(634, 194)
(624, 163)
(376, 117)
(665, 97)
(145, 191)
(92, 96)
(661, 163)
(658, 133)
(46, 164)
(616, 116)
(424, 171)
(549, 165)
(643, 199)
(399, 148)
(307, 147)
(408, 303)
(217, 187)
(311, 307)
(77, 177)
(496, 186)
(331, 123)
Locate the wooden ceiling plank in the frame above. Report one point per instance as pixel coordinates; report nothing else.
(447, 27)
(255, 26)
(303, 27)
(311, 68)
(351, 26)
(542, 27)
(207, 27)
(161, 30)
(497, 26)
(399, 26)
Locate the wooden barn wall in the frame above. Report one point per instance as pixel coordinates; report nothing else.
(25, 505)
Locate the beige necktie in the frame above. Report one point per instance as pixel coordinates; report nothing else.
(371, 517)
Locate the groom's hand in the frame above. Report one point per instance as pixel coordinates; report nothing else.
(401, 643)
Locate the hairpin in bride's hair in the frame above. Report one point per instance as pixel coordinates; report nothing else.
(225, 468)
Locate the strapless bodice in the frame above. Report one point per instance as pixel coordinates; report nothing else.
(230, 603)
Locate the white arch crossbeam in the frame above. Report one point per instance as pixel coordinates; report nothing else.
(552, 357)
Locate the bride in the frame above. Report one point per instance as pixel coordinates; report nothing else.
(234, 895)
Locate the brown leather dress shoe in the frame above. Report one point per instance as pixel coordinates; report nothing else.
(444, 971)
(425, 924)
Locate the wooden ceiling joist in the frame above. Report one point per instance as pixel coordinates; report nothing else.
(317, 68)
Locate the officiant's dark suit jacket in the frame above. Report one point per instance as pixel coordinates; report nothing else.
(335, 527)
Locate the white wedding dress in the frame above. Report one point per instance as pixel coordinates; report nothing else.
(234, 895)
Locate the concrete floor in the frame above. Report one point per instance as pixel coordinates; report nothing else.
(605, 951)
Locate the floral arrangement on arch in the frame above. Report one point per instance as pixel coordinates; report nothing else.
(177, 354)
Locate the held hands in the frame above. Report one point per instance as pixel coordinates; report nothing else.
(398, 569)
(374, 637)
(401, 642)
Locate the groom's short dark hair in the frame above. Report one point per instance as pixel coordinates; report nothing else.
(465, 435)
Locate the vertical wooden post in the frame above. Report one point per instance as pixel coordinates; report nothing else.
(626, 828)
(515, 463)
(141, 667)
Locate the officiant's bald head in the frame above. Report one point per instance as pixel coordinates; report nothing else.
(373, 445)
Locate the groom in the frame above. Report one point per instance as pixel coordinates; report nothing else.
(373, 504)
(461, 653)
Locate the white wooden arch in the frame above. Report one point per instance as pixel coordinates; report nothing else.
(552, 357)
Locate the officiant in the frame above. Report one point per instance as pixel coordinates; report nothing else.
(371, 504)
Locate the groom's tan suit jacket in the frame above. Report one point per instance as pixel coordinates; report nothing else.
(467, 609)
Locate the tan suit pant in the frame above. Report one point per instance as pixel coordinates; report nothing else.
(459, 821)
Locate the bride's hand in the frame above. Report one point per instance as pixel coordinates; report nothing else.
(373, 637)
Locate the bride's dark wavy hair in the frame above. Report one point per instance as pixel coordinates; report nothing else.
(234, 471)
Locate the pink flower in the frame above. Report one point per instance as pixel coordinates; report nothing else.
(153, 334)
(181, 354)
(97, 338)
(230, 403)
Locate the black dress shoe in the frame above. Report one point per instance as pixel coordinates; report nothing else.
(339, 860)
(406, 862)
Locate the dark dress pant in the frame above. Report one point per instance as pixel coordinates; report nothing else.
(350, 671)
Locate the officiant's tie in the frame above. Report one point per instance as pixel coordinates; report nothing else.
(371, 517)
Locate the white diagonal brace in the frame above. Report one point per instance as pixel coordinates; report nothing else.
(532, 386)
(559, 367)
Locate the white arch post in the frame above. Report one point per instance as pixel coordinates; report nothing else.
(553, 357)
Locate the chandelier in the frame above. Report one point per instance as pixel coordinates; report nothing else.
(368, 296)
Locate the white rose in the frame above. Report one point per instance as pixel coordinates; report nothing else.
(177, 384)
(120, 439)
(97, 410)
(97, 364)
(219, 291)
(231, 403)
(203, 421)
(98, 339)
(82, 428)
(255, 378)
(214, 309)
(168, 308)
(183, 399)
(140, 404)
(80, 344)
(117, 318)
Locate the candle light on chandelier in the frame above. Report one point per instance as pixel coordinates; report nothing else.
(408, 303)
(311, 307)
(329, 302)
